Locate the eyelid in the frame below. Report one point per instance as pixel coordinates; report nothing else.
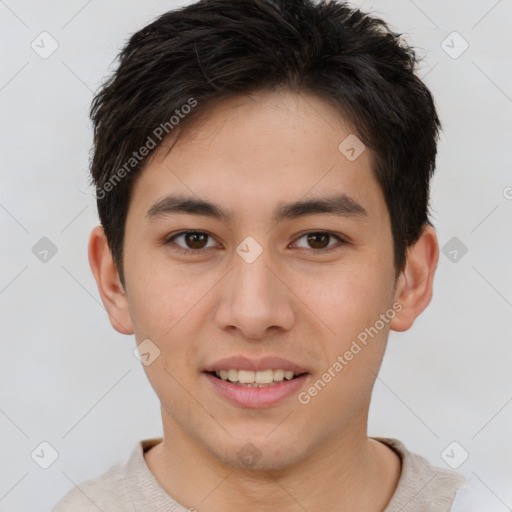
(170, 239)
(341, 241)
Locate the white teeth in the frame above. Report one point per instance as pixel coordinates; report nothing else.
(261, 378)
(278, 375)
(245, 376)
(265, 377)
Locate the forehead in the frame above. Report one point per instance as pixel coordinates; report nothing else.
(259, 150)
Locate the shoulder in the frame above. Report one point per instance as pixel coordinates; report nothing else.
(422, 486)
(104, 492)
(428, 488)
(115, 489)
(415, 467)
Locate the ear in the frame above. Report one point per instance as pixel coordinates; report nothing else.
(415, 283)
(111, 290)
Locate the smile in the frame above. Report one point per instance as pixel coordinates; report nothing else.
(249, 378)
(252, 394)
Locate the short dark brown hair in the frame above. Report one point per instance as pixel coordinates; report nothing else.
(177, 67)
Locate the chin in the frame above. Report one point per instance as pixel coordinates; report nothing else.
(263, 461)
(262, 452)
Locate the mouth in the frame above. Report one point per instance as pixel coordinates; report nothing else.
(255, 383)
(231, 384)
(256, 379)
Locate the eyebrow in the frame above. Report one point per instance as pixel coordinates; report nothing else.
(340, 204)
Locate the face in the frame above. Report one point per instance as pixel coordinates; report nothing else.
(287, 268)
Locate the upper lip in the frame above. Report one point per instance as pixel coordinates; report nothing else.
(262, 363)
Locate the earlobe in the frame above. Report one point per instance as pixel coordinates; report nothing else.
(415, 283)
(107, 279)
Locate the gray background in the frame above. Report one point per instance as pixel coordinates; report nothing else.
(67, 378)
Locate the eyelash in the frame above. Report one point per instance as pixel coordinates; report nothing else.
(181, 250)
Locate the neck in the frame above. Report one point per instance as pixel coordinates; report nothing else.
(347, 472)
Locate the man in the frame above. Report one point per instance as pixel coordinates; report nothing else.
(262, 175)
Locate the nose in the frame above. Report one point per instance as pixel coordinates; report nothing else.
(254, 301)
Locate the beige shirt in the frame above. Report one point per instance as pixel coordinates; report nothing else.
(131, 487)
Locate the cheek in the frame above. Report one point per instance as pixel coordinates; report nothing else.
(352, 308)
(161, 298)
(351, 305)
(346, 301)
(169, 309)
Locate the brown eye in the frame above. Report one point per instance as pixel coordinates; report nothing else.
(196, 240)
(318, 240)
(190, 241)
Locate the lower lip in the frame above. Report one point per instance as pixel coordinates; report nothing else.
(254, 397)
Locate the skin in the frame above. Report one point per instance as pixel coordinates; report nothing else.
(250, 154)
